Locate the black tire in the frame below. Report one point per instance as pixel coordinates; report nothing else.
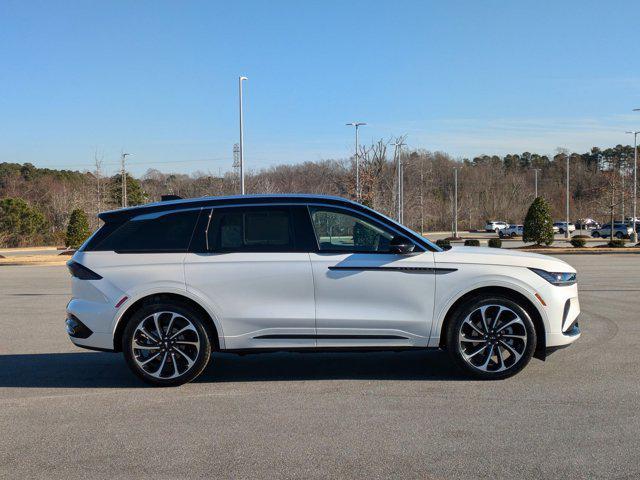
(201, 334)
(595, 235)
(619, 235)
(526, 328)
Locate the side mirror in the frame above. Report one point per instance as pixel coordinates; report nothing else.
(401, 245)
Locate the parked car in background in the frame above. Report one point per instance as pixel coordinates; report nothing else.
(620, 230)
(495, 226)
(511, 231)
(562, 227)
(587, 224)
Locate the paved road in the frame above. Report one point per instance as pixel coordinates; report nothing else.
(67, 413)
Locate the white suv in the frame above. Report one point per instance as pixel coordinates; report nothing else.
(171, 282)
(495, 226)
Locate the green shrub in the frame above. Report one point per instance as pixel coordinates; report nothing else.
(495, 243)
(578, 242)
(616, 243)
(77, 229)
(20, 223)
(581, 236)
(472, 243)
(538, 226)
(443, 243)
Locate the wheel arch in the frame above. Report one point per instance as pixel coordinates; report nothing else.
(518, 297)
(163, 297)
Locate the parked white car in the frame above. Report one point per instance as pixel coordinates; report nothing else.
(168, 283)
(512, 231)
(620, 230)
(562, 227)
(495, 226)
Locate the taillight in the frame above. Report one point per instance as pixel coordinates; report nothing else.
(80, 271)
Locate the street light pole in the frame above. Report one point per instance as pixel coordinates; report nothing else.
(455, 202)
(535, 171)
(634, 234)
(566, 229)
(240, 79)
(123, 178)
(397, 156)
(357, 125)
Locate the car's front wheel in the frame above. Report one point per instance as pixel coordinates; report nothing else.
(491, 338)
(166, 344)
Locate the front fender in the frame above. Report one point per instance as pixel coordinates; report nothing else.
(451, 291)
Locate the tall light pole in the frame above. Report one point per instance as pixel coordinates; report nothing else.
(634, 234)
(357, 125)
(535, 182)
(566, 227)
(123, 178)
(240, 79)
(455, 202)
(397, 154)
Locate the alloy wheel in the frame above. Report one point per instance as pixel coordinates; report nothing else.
(492, 338)
(165, 345)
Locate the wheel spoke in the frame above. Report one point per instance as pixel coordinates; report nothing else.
(173, 317)
(521, 337)
(489, 355)
(158, 372)
(150, 358)
(157, 324)
(484, 318)
(184, 342)
(500, 357)
(482, 348)
(512, 351)
(512, 322)
(187, 358)
(138, 346)
(182, 330)
(175, 365)
(470, 323)
(148, 335)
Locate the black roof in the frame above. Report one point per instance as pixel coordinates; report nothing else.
(129, 212)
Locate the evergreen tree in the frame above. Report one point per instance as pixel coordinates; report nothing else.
(538, 226)
(77, 229)
(135, 193)
(20, 223)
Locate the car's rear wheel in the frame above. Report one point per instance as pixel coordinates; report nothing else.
(491, 338)
(167, 344)
(595, 235)
(619, 235)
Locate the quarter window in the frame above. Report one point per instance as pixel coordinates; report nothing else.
(337, 230)
(152, 233)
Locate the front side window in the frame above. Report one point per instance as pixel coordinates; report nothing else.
(160, 232)
(254, 229)
(337, 230)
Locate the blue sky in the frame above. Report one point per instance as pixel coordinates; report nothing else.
(159, 78)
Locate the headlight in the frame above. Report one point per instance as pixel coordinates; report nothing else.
(556, 278)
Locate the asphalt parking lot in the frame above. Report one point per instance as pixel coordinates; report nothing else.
(69, 413)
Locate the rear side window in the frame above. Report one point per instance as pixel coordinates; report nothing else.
(254, 229)
(161, 232)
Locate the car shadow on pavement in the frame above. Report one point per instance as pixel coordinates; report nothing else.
(108, 370)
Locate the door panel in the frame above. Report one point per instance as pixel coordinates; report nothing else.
(373, 299)
(257, 294)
